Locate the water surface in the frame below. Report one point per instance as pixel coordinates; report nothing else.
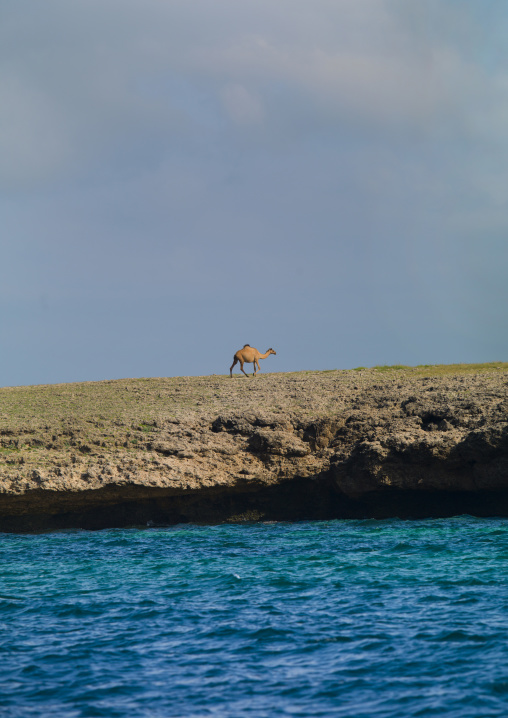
(345, 618)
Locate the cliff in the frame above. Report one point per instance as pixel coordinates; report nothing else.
(388, 441)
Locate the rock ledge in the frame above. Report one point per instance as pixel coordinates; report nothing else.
(311, 445)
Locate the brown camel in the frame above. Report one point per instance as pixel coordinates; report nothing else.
(249, 355)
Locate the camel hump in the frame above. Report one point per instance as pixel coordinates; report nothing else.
(246, 345)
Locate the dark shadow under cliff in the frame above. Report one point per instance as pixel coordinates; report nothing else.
(294, 500)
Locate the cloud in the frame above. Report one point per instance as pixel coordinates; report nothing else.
(242, 106)
(34, 138)
(336, 155)
(118, 82)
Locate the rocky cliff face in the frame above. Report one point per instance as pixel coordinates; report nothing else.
(369, 443)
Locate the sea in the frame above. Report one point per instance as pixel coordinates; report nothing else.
(371, 619)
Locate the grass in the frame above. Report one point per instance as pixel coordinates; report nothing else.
(394, 367)
(431, 370)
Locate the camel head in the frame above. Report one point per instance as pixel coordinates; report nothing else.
(272, 351)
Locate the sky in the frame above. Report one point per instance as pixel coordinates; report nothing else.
(181, 177)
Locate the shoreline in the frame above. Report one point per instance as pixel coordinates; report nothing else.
(366, 443)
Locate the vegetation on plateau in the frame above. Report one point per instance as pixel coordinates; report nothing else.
(65, 423)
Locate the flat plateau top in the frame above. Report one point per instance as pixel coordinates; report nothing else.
(121, 402)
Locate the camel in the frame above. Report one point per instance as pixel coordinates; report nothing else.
(249, 355)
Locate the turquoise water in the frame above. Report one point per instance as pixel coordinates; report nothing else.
(338, 618)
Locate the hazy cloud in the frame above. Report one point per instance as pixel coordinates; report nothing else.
(94, 78)
(242, 106)
(345, 158)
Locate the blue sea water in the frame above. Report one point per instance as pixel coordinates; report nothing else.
(336, 618)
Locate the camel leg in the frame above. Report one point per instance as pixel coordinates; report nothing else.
(235, 361)
(241, 367)
(256, 370)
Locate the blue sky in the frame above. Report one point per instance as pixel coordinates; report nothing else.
(180, 178)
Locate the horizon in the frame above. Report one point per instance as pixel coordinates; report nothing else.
(381, 368)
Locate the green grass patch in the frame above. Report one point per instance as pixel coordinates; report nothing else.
(442, 369)
(447, 369)
(146, 428)
(393, 367)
